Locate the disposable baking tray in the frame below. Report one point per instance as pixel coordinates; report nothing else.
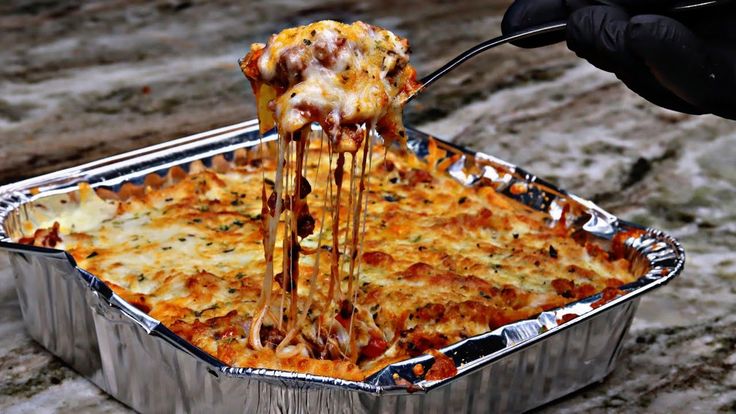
(143, 364)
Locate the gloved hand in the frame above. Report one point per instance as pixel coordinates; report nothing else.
(685, 62)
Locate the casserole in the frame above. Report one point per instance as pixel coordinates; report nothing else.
(129, 354)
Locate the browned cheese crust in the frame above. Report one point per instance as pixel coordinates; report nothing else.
(440, 261)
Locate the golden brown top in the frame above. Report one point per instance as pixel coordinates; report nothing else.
(440, 262)
(339, 75)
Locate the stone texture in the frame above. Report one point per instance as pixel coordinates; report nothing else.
(83, 80)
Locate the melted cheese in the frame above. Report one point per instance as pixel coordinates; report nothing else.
(440, 262)
(353, 80)
(332, 73)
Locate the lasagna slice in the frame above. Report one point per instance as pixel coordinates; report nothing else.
(341, 76)
(353, 80)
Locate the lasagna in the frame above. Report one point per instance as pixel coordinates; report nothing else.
(440, 261)
(333, 250)
(353, 81)
(346, 77)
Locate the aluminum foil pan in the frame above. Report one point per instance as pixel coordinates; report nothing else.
(143, 364)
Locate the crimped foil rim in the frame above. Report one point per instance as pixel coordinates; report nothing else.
(663, 253)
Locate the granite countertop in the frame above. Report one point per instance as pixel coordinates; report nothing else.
(82, 80)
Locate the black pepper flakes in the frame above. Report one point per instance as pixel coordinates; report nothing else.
(91, 255)
(391, 198)
(552, 252)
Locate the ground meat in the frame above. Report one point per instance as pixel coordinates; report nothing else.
(290, 66)
(271, 336)
(415, 176)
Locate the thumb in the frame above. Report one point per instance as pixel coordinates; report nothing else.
(525, 14)
(682, 63)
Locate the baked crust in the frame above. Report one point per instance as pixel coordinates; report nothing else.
(441, 262)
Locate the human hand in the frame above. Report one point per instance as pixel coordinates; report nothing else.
(685, 61)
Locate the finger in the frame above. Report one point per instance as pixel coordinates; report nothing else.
(703, 76)
(644, 84)
(525, 14)
(599, 35)
(637, 6)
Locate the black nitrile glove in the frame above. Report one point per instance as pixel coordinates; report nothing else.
(685, 61)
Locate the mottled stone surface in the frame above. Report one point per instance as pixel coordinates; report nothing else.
(82, 80)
